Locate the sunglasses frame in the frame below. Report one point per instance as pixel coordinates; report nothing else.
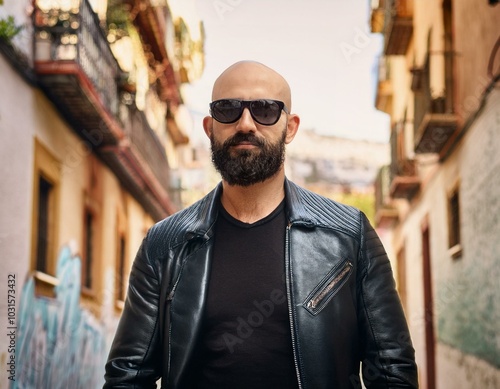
(248, 104)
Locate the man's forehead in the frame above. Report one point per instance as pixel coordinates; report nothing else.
(247, 73)
(241, 87)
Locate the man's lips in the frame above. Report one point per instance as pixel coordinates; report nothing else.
(246, 144)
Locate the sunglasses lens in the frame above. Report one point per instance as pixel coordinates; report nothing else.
(226, 111)
(265, 112)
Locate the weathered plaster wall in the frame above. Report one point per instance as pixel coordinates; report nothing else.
(16, 151)
(469, 318)
(466, 290)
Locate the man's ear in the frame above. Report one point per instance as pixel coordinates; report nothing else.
(208, 125)
(292, 127)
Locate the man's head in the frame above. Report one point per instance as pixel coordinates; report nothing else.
(254, 123)
(248, 77)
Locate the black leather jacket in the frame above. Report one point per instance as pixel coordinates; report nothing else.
(343, 305)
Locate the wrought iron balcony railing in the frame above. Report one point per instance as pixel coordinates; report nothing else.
(405, 182)
(141, 163)
(75, 65)
(394, 18)
(383, 99)
(434, 120)
(385, 213)
(149, 147)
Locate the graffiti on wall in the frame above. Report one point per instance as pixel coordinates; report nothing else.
(60, 344)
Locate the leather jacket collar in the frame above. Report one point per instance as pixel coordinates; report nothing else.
(300, 211)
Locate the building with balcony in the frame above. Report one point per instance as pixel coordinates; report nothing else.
(442, 63)
(90, 140)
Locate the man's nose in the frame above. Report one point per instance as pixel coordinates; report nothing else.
(245, 122)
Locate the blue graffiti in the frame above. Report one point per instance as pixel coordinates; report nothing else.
(60, 345)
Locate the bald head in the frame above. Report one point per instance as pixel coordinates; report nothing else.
(248, 80)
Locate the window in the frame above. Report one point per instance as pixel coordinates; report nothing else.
(43, 239)
(88, 247)
(45, 211)
(454, 223)
(122, 262)
(120, 270)
(91, 229)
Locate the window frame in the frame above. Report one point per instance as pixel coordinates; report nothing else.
(453, 219)
(48, 168)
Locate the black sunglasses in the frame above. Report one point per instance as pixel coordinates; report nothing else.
(264, 111)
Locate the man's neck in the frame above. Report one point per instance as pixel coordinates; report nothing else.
(252, 203)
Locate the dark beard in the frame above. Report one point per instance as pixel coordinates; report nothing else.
(248, 167)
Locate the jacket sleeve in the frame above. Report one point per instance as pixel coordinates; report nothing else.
(134, 360)
(388, 357)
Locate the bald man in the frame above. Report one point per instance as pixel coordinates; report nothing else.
(260, 284)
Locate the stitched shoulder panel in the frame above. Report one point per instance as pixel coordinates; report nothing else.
(188, 223)
(318, 210)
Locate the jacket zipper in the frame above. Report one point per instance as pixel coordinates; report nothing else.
(318, 298)
(290, 313)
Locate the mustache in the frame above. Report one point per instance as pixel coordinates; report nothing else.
(240, 137)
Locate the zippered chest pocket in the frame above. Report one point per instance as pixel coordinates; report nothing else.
(328, 287)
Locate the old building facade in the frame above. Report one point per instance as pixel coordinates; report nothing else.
(89, 137)
(437, 202)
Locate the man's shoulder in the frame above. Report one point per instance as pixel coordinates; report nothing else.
(178, 227)
(325, 212)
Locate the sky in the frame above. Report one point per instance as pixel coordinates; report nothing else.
(323, 48)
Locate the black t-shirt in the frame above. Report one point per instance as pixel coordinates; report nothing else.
(246, 340)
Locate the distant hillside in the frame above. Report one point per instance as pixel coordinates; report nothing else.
(328, 161)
